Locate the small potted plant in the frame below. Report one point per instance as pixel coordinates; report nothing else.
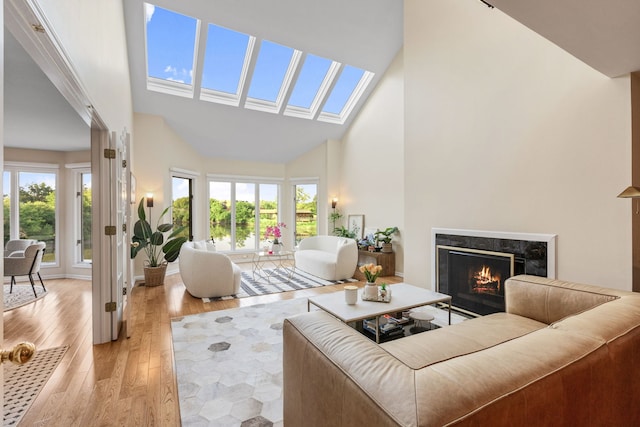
(159, 250)
(384, 236)
(275, 231)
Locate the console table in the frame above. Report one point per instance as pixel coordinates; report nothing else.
(386, 259)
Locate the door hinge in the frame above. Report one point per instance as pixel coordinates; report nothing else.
(110, 230)
(109, 153)
(110, 307)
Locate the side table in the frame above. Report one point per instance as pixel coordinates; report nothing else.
(267, 265)
(385, 259)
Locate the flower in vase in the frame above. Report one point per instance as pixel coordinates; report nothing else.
(371, 272)
(275, 231)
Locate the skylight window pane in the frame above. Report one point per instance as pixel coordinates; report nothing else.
(311, 76)
(271, 68)
(224, 59)
(343, 89)
(170, 44)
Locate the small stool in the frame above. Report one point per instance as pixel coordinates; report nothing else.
(421, 321)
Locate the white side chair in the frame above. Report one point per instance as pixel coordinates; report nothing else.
(206, 273)
(25, 263)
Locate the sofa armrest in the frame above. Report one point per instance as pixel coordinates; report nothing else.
(549, 300)
(333, 375)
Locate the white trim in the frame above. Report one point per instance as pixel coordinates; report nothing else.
(308, 179)
(243, 178)
(85, 165)
(31, 165)
(169, 87)
(325, 86)
(186, 173)
(550, 239)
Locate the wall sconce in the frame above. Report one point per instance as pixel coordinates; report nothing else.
(149, 200)
(334, 202)
(631, 192)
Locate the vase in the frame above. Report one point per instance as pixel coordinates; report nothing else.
(276, 248)
(370, 290)
(154, 276)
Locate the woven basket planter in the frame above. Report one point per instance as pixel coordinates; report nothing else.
(154, 276)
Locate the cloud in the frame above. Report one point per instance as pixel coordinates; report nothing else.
(170, 69)
(171, 79)
(148, 11)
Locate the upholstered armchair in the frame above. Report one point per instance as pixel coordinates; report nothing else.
(206, 273)
(18, 245)
(25, 263)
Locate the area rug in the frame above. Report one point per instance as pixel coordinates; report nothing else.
(23, 383)
(278, 283)
(21, 295)
(229, 364)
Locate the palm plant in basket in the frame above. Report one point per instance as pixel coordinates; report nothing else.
(159, 251)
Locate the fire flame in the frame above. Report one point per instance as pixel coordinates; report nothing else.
(484, 278)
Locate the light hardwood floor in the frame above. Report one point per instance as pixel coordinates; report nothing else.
(128, 382)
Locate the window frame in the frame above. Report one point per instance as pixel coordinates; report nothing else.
(256, 181)
(14, 168)
(78, 170)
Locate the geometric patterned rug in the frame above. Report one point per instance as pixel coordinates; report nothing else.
(21, 295)
(22, 383)
(229, 364)
(278, 283)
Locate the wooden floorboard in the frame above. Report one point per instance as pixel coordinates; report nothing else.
(128, 382)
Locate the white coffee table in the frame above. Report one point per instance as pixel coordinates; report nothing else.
(403, 297)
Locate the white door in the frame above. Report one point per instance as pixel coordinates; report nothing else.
(119, 191)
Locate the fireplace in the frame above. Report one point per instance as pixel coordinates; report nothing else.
(472, 266)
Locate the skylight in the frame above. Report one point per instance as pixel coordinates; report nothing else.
(170, 54)
(224, 59)
(238, 66)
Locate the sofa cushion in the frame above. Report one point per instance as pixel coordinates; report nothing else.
(317, 262)
(421, 350)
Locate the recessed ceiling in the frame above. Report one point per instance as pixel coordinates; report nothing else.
(364, 34)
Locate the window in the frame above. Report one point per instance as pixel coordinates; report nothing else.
(84, 207)
(30, 198)
(182, 205)
(172, 39)
(240, 211)
(306, 211)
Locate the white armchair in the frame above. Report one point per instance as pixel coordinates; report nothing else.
(25, 263)
(18, 245)
(206, 273)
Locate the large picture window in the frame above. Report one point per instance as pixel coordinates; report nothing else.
(240, 211)
(30, 206)
(182, 205)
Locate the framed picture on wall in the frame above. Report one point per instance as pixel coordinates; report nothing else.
(355, 223)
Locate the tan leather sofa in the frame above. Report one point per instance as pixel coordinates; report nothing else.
(563, 354)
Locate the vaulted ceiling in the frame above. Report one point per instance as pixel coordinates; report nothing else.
(362, 33)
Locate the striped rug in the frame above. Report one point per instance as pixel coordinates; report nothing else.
(279, 282)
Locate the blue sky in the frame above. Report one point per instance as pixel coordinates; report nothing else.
(170, 55)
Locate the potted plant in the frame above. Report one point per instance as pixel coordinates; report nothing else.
(275, 231)
(384, 236)
(343, 231)
(159, 251)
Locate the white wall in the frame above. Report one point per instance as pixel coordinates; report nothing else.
(372, 159)
(507, 132)
(93, 36)
(158, 150)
